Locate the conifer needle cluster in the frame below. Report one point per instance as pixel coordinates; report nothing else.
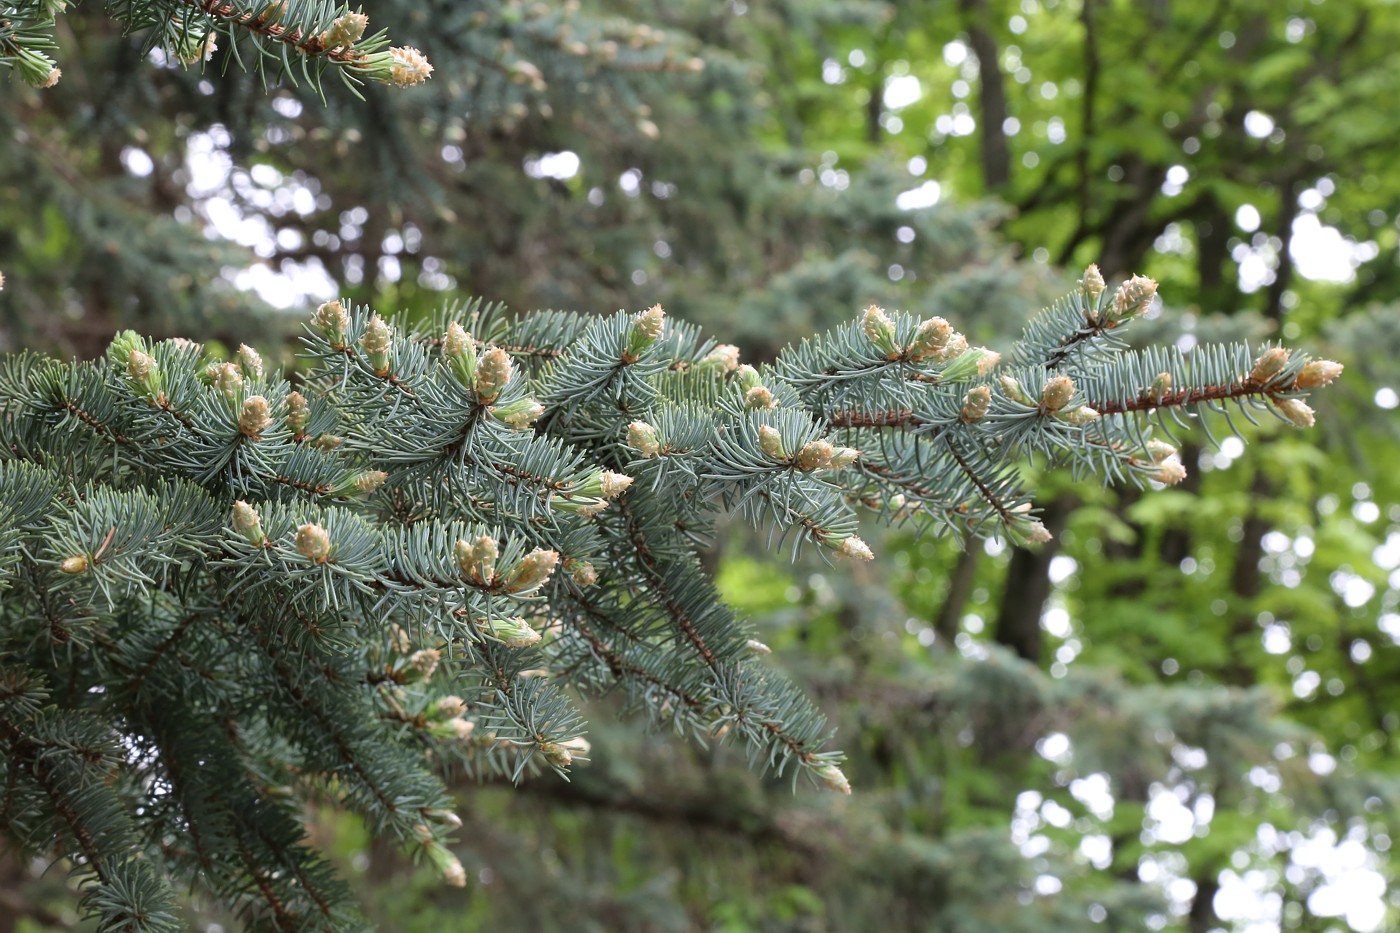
(231, 592)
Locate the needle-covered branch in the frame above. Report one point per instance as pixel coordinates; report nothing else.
(229, 594)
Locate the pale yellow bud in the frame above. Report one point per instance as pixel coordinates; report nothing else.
(493, 372)
(1169, 472)
(815, 455)
(250, 361)
(1133, 297)
(76, 564)
(757, 647)
(313, 543)
(1057, 392)
(1092, 285)
(583, 572)
(976, 404)
(298, 412)
(613, 484)
(1318, 373)
(760, 397)
(1296, 411)
(930, 339)
(855, 548)
(833, 778)
(533, 571)
(651, 322)
(771, 442)
(255, 417)
(724, 357)
(1268, 365)
(410, 67)
(642, 438)
(248, 523)
(331, 320)
(1080, 415)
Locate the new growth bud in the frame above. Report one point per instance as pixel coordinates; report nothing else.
(724, 357)
(227, 378)
(583, 573)
(520, 414)
(344, 31)
(771, 442)
(756, 647)
(532, 572)
(1296, 411)
(642, 438)
(855, 548)
(493, 373)
(1132, 298)
(1318, 373)
(515, 633)
(832, 778)
(1080, 415)
(248, 523)
(1161, 387)
(930, 339)
(815, 455)
(368, 481)
(842, 457)
(1269, 365)
(878, 327)
(1011, 387)
(254, 418)
(250, 361)
(313, 543)
(297, 413)
(76, 564)
(1092, 285)
(760, 397)
(460, 351)
(1056, 394)
(332, 321)
(478, 559)
(646, 330)
(976, 403)
(377, 342)
(422, 664)
(409, 67)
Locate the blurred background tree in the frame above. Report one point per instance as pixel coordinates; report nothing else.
(1180, 715)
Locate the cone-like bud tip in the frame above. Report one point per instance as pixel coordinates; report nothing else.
(853, 547)
(583, 572)
(493, 372)
(250, 361)
(1057, 392)
(976, 404)
(533, 571)
(248, 523)
(771, 442)
(75, 564)
(1092, 285)
(930, 339)
(1269, 364)
(298, 413)
(313, 543)
(724, 357)
(331, 320)
(1296, 411)
(760, 398)
(1133, 297)
(815, 455)
(1318, 373)
(255, 417)
(833, 778)
(651, 322)
(410, 66)
(642, 437)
